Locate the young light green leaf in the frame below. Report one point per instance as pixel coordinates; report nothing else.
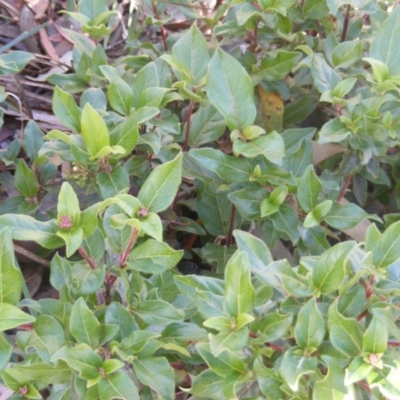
(66, 110)
(309, 330)
(356, 371)
(239, 292)
(346, 334)
(10, 274)
(68, 206)
(271, 146)
(276, 64)
(94, 130)
(330, 268)
(11, 317)
(346, 54)
(191, 50)
(118, 386)
(153, 257)
(83, 324)
(228, 340)
(160, 187)
(158, 312)
(120, 96)
(315, 216)
(230, 90)
(26, 181)
(275, 326)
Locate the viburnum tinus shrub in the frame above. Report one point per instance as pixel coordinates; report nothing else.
(252, 157)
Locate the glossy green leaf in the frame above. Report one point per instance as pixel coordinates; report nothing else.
(346, 334)
(275, 326)
(10, 274)
(269, 381)
(294, 366)
(83, 324)
(162, 382)
(228, 168)
(228, 340)
(277, 64)
(120, 96)
(332, 385)
(230, 90)
(309, 330)
(387, 249)
(346, 54)
(161, 186)
(26, 181)
(68, 206)
(66, 110)
(345, 216)
(153, 257)
(209, 384)
(315, 9)
(357, 370)
(158, 312)
(206, 126)
(286, 220)
(239, 292)
(112, 183)
(82, 359)
(126, 134)
(118, 386)
(94, 130)
(308, 189)
(93, 8)
(72, 239)
(271, 146)
(314, 217)
(191, 50)
(32, 139)
(330, 269)
(325, 77)
(11, 317)
(375, 337)
(385, 47)
(299, 109)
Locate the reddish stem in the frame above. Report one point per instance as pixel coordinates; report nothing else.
(231, 226)
(344, 188)
(85, 256)
(162, 29)
(346, 23)
(394, 344)
(275, 347)
(125, 254)
(187, 130)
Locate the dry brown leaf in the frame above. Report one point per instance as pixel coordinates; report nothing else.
(39, 7)
(47, 45)
(324, 151)
(272, 110)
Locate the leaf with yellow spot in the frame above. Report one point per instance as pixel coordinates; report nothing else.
(272, 110)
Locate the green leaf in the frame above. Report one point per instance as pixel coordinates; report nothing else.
(162, 382)
(113, 183)
(332, 386)
(26, 181)
(208, 384)
(273, 202)
(385, 45)
(68, 206)
(191, 50)
(94, 130)
(346, 334)
(120, 96)
(118, 386)
(344, 87)
(126, 134)
(239, 292)
(82, 359)
(32, 139)
(93, 8)
(375, 337)
(66, 110)
(5, 351)
(356, 371)
(206, 126)
(387, 249)
(271, 146)
(226, 361)
(334, 131)
(294, 366)
(153, 257)
(345, 216)
(24, 228)
(315, 9)
(161, 186)
(315, 216)
(277, 64)
(325, 77)
(268, 380)
(308, 189)
(228, 168)
(346, 54)
(11, 317)
(286, 220)
(330, 269)
(218, 323)
(10, 274)
(158, 312)
(230, 90)
(309, 330)
(83, 324)
(14, 61)
(228, 340)
(73, 239)
(299, 109)
(275, 326)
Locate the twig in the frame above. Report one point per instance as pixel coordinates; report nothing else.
(162, 29)
(88, 259)
(231, 226)
(187, 130)
(344, 188)
(32, 256)
(346, 23)
(125, 254)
